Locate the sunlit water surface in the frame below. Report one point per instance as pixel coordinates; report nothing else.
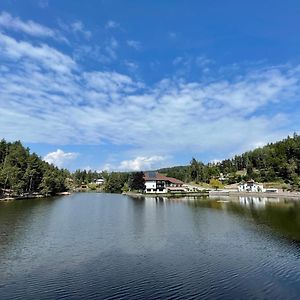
(105, 246)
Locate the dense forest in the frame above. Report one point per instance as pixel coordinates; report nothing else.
(275, 162)
(115, 182)
(23, 173)
(26, 174)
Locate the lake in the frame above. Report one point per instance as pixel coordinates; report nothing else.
(107, 246)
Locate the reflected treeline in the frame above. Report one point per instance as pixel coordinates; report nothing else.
(282, 215)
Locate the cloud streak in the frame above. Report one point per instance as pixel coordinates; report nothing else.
(41, 56)
(7, 21)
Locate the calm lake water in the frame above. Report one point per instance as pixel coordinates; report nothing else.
(104, 246)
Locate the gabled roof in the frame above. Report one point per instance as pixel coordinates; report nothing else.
(248, 181)
(155, 176)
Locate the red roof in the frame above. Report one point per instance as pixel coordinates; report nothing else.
(159, 176)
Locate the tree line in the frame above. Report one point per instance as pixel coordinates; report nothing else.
(279, 161)
(23, 173)
(115, 182)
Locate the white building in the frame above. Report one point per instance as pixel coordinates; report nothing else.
(158, 183)
(222, 177)
(99, 181)
(250, 186)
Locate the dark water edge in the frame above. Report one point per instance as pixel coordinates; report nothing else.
(104, 246)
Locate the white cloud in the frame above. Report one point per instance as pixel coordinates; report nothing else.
(46, 96)
(32, 28)
(78, 27)
(87, 168)
(60, 158)
(105, 53)
(184, 65)
(132, 66)
(109, 82)
(48, 57)
(111, 24)
(177, 60)
(141, 163)
(215, 161)
(203, 61)
(134, 44)
(111, 47)
(107, 167)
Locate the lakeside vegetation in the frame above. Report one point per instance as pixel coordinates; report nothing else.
(23, 173)
(278, 163)
(115, 182)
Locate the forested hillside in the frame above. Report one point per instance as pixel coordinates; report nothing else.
(24, 173)
(278, 161)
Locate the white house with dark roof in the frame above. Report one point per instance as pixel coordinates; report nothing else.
(99, 181)
(250, 186)
(158, 183)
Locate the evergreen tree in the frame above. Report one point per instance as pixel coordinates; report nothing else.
(24, 173)
(136, 181)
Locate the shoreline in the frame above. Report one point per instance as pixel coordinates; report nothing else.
(164, 194)
(292, 195)
(221, 193)
(6, 199)
(255, 194)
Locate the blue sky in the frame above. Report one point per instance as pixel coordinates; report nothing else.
(130, 85)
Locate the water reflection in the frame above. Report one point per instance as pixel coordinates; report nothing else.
(104, 246)
(281, 215)
(165, 199)
(257, 202)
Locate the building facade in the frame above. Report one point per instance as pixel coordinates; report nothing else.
(158, 183)
(250, 186)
